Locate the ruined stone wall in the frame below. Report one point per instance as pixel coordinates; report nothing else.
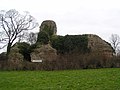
(15, 58)
(97, 45)
(44, 52)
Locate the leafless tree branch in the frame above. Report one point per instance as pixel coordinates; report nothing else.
(115, 42)
(14, 23)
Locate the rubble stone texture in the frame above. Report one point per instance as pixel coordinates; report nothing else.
(97, 45)
(45, 53)
(49, 24)
(15, 59)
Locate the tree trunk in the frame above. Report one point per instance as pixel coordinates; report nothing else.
(8, 48)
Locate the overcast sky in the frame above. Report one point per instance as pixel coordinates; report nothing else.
(101, 17)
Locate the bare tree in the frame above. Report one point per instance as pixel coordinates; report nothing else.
(12, 24)
(115, 42)
(32, 38)
(28, 37)
(21, 36)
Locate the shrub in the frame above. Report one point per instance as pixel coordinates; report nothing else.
(49, 30)
(3, 56)
(25, 50)
(43, 37)
(70, 44)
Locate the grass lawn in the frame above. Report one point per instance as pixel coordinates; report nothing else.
(89, 79)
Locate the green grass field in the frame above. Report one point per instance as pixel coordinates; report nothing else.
(89, 79)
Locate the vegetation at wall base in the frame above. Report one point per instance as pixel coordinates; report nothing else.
(65, 62)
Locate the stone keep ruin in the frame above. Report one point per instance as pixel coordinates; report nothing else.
(46, 52)
(48, 26)
(59, 45)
